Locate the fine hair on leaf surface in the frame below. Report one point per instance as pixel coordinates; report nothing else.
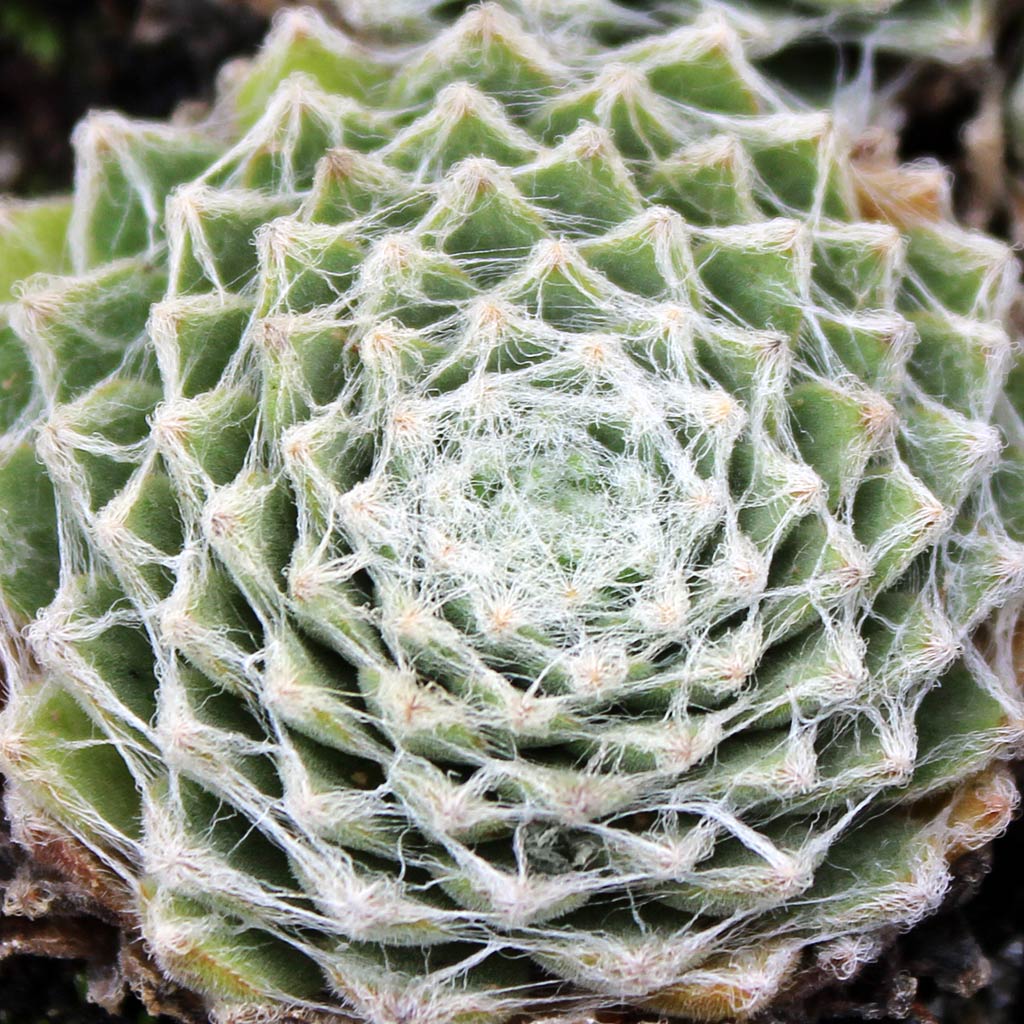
(505, 524)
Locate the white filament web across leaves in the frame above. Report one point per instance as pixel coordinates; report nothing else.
(565, 680)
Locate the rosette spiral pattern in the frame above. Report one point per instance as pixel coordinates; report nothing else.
(487, 530)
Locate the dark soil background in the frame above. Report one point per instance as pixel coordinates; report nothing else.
(34, 990)
(59, 58)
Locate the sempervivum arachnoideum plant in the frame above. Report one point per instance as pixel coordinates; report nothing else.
(492, 530)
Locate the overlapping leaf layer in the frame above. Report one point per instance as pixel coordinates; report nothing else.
(485, 529)
(948, 31)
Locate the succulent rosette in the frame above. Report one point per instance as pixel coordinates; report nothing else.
(491, 527)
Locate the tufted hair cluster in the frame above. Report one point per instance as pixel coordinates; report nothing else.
(489, 526)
